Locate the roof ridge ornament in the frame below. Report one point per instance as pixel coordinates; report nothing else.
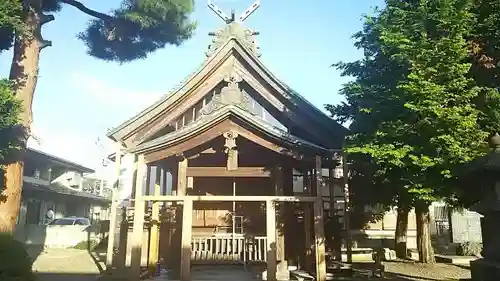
(229, 19)
(231, 94)
(233, 29)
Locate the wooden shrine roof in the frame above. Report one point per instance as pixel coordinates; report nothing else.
(279, 137)
(302, 113)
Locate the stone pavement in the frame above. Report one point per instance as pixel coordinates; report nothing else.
(64, 265)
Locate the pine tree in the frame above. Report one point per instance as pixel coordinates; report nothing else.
(132, 31)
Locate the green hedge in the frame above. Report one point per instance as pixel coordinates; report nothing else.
(15, 263)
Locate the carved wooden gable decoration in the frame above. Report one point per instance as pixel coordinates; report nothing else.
(232, 75)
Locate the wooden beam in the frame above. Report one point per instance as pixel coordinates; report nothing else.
(250, 172)
(319, 226)
(187, 221)
(138, 228)
(113, 212)
(271, 240)
(206, 151)
(188, 143)
(223, 198)
(182, 177)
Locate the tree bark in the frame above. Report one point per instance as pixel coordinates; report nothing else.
(424, 246)
(400, 235)
(24, 74)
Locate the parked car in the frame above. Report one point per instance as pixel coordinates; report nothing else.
(71, 221)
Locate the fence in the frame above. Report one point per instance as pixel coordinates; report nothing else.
(220, 249)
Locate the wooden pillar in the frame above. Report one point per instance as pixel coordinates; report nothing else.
(337, 237)
(307, 222)
(114, 211)
(182, 177)
(187, 221)
(271, 240)
(187, 218)
(290, 219)
(319, 226)
(138, 229)
(121, 257)
(347, 211)
(154, 238)
(280, 226)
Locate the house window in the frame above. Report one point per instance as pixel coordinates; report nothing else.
(36, 173)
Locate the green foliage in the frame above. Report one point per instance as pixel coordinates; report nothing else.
(129, 32)
(10, 20)
(15, 263)
(470, 249)
(139, 28)
(86, 245)
(10, 108)
(485, 50)
(412, 103)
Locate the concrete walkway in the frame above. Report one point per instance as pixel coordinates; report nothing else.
(64, 264)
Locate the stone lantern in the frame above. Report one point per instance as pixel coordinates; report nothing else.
(483, 174)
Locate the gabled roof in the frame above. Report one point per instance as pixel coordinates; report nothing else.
(33, 185)
(317, 121)
(206, 122)
(40, 156)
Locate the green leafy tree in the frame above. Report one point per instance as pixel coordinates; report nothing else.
(425, 122)
(10, 108)
(131, 31)
(370, 102)
(485, 50)
(10, 21)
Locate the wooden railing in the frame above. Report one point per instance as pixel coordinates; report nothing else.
(228, 249)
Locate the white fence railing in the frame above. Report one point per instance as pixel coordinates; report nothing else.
(229, 249)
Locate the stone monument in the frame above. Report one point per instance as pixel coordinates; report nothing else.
(484, 175)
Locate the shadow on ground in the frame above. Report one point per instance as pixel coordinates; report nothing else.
(413, 271)
(66, 276)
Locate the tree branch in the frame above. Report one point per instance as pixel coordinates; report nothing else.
(88, 11)
(46, 19)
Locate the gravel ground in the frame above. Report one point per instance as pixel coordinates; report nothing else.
(412, 271)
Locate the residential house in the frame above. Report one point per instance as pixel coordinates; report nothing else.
(50, 182)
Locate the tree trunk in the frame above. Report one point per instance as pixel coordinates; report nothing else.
(24, 74)
(424, 246)
(400, 235)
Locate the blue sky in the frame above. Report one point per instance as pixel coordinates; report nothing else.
(79, 97)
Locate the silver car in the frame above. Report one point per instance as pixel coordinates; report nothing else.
(71, 221)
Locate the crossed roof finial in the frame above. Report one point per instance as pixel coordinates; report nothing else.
(229, 19)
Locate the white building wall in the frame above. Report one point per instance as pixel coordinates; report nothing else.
(126, 177)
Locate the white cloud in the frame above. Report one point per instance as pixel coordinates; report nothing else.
(111, 95)
(76, 139)
(78, 147)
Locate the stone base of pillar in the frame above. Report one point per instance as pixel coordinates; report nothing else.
(282, 272)
(485, 270)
